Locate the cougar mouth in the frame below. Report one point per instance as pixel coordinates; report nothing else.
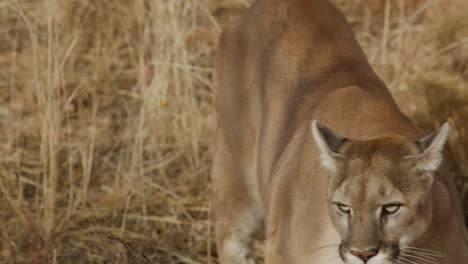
(389, 253)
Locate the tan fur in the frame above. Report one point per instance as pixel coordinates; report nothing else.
(283, 64)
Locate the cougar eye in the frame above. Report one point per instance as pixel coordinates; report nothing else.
(391, 208)
(343, 208)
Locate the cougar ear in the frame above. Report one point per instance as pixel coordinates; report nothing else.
(328, 142)
(431, 147)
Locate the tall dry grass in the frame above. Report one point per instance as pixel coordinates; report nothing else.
(106, 117)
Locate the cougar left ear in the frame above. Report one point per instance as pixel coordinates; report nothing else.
(431, 148)
(328, 142)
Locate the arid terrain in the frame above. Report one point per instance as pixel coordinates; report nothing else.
(107, 118)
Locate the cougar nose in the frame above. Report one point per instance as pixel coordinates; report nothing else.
(365, 255)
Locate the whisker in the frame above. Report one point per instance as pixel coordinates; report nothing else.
(410, 261)
(427, 260)
(401, 261)
(440, 255)
(326, 246)
(398, 262)
(416, 253)
(428, 250)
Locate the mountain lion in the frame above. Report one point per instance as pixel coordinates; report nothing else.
(361, 185)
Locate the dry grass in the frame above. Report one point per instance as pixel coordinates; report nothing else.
(106, 117)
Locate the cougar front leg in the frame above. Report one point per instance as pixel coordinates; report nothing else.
(237, 208)
(236, 232)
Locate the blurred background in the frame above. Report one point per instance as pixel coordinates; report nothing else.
(107, 118)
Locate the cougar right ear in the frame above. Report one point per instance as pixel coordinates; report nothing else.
(431, 147)
(328, 142)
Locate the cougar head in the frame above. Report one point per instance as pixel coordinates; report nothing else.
(379, 191)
